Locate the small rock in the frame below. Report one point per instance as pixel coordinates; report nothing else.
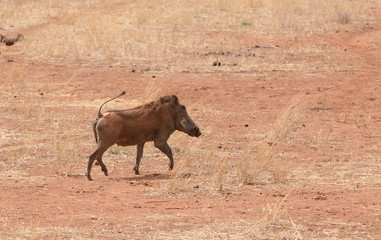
(217, 63)
(219, 146)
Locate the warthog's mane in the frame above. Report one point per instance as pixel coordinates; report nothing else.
(149, 106)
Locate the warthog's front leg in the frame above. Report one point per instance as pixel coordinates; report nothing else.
(163, 146)
(103, 166)
(139, 155)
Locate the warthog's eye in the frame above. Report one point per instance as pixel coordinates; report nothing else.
(183, 107)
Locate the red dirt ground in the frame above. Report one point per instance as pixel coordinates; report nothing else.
(119, 205)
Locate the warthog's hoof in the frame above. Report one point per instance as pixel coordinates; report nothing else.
(106, 173)
(88, 176)
(170, 166)
(136, 171)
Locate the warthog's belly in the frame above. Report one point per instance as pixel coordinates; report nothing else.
(127, 143)
(123, 144)
(133, 140)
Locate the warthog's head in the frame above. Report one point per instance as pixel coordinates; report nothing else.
(182, 120)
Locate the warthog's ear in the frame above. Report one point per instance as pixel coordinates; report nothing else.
(175, 100)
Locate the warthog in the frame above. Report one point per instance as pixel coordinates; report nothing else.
(154, 121)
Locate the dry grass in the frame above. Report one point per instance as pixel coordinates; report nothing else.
(48, 136)
(265, 156)
(178, 36)
(265, 225)
(15, 78)
(212, 169)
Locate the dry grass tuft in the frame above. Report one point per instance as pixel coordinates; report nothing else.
(220, 172)
(68, 150)
(15, 78)
(261, 158)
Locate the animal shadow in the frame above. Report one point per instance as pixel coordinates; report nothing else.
(149, 177)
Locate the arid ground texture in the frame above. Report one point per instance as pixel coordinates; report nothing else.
(287, 94)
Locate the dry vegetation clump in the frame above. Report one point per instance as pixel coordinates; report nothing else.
(266, 156)
(15, 78)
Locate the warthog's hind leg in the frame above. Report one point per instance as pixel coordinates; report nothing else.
(98, 156)
(139, 155)
(89, 166)
(164, 147)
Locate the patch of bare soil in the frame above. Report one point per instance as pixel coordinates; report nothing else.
(332, 161)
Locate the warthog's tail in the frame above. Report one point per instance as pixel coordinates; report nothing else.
(100, 115)
(99, 111)
(95, 131)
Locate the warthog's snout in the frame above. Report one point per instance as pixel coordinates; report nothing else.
(197, 132)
